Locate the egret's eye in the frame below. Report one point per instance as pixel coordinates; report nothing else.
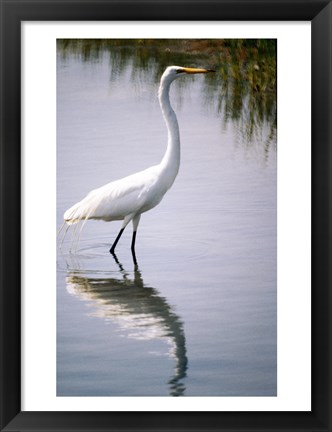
(179, 70)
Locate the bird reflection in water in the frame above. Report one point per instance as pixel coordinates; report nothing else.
(138, 310)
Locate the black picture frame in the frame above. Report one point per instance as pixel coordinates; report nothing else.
(13, 12)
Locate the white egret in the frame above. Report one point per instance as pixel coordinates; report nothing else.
(126, 199)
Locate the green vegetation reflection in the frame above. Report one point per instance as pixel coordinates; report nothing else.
(243, 91)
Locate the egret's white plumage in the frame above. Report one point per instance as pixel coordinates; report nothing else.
(118, 199)
(126, 199)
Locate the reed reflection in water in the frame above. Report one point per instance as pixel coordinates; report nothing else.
(242, 92)
(139, 311)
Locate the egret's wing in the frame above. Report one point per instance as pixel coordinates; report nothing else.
(115, 200)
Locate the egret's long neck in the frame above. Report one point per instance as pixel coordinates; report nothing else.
(171, 160)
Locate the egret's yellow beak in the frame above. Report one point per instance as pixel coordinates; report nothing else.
(196, 70)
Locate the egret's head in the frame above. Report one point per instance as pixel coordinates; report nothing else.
(173, 72)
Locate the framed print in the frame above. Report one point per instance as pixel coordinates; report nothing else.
(202, 132)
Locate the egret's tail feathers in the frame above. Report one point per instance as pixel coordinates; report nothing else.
(63, 237)
(79, 212)
(61, 228)
(75, 214)
(83, 210)
(72, 221)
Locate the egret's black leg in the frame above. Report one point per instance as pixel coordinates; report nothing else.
(133, 247)
(116, 241)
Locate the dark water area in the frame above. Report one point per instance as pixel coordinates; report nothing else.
(197, 315)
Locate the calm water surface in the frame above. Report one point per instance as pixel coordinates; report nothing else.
(197, 316)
